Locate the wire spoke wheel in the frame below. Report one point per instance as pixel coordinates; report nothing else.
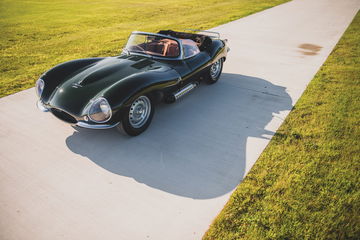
(139, 112)
(215, 69)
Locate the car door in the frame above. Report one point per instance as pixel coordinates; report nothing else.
(194, 62)
(195, 59)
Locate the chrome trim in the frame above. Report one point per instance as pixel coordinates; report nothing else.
(156, 34)
(205, 31)
(41, 106)
(181, 55)
(95, 126)
(91, 104)
(36, 86)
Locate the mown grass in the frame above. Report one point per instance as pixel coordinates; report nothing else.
(306, 184)
(38, 34)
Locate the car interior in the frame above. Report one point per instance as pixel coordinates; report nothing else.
(203, 42)
(192, 44)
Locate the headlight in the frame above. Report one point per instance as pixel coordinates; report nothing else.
(39, 86)
(100, 110)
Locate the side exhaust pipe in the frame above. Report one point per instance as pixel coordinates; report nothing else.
(176, 95)
(185, 90)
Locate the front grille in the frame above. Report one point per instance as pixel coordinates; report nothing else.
(63, 115)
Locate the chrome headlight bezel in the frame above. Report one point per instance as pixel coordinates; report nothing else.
(100, 106)
(39, 87)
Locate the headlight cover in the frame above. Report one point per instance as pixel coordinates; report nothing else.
(100, 111)
(39, 86)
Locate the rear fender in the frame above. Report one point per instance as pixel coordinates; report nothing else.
(218, 50)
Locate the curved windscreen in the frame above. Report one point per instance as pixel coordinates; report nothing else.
(153, 45)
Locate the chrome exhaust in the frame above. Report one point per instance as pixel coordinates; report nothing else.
(185, 90)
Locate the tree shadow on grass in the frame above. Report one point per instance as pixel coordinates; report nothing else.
(195, 148)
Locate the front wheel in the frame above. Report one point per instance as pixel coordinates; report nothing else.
(215, 71)
(138, 116)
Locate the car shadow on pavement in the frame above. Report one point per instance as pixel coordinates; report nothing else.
(196, 147)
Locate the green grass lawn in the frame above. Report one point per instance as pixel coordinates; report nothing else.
(306, 184)
(38, 34)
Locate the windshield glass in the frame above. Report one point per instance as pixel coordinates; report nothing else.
(153, 45)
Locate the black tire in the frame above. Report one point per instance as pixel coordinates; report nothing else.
(129, 123)
(213, 76)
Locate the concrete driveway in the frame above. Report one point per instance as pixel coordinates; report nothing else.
(59, 182)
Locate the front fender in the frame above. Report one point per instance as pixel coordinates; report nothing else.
(123, 93)
(56, 75)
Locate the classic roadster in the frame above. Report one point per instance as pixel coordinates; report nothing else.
(101, 93)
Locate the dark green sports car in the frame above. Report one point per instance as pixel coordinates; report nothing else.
(101, 93)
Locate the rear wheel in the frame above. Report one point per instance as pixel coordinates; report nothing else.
(138, 116)
(215, 71)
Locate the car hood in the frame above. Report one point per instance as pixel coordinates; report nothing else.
(89, 82)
